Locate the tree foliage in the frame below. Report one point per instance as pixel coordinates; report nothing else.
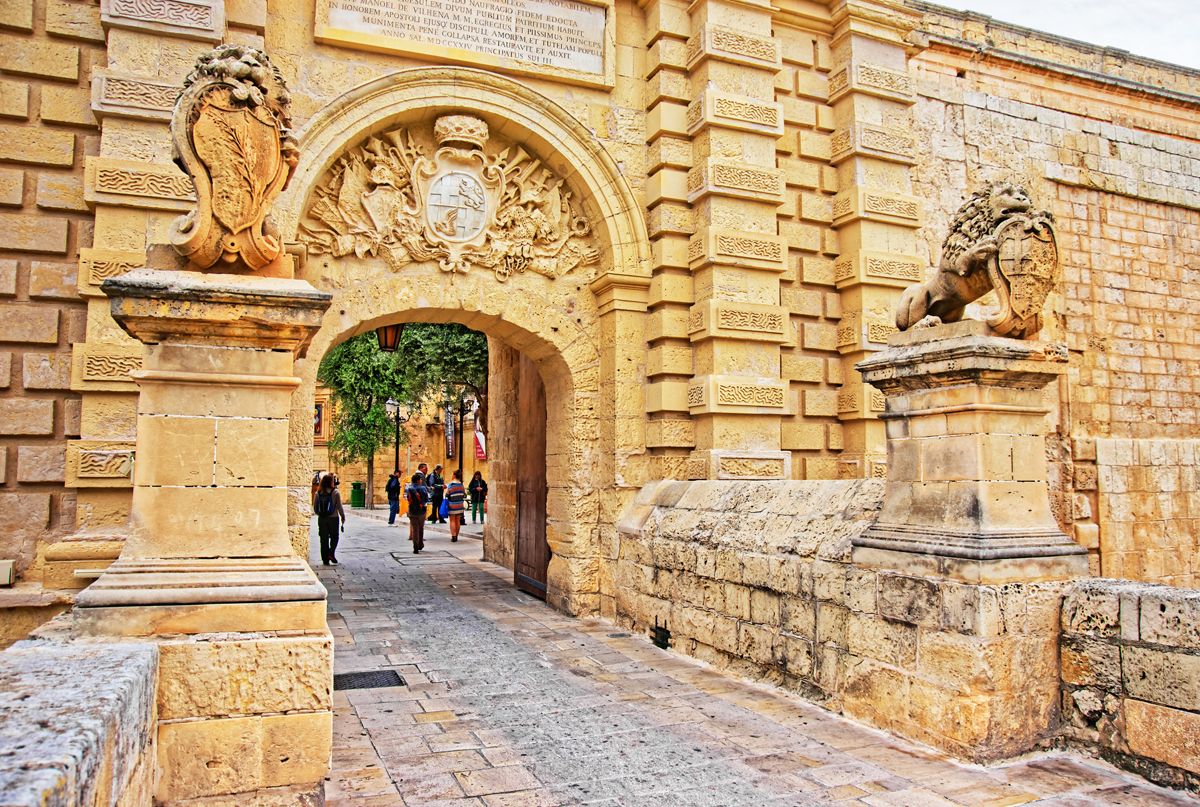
(442, 363)
(361, 378)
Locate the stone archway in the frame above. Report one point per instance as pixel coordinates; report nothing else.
(555, 318)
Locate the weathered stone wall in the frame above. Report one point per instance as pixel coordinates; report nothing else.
(500, 530)
(47, 56)
(1131, 676)
(757, 579)
(1107, 142)
(77, 723)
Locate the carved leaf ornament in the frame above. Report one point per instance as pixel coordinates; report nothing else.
(455, 204)
(231, 134)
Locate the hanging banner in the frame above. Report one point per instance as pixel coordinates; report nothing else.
(480, 446)
(449, 433)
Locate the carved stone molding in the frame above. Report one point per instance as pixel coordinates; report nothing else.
(458, 202)
(871, 79)
(99, 464)
(746, 321)
(716, 108)
(742, 248)
(721, 177)
(193, 19)
(97, 265)
(875, 205)
(131, 97)
(100, 367)
(868, 140)
(877, 268)
(733, 394)
(729, 45)
(127, 183)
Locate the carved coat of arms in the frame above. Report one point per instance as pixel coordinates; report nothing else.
(231, 135)
(458, 206)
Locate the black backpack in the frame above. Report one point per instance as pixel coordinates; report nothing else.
(325, 504)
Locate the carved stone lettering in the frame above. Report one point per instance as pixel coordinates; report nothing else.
(459, 204)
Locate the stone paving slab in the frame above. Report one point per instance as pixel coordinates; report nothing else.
(511, 703)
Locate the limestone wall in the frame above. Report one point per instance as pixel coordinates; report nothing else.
(1108, 143)
(756, 578)
(77, 723)
(1131, 676)
(47, 129)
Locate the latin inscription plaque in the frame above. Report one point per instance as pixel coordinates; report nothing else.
(564, 37)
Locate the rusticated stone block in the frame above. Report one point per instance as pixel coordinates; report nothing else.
(20, 417)
(1170, 616)
(909, 599)
(1088, 661)
(1168, 735)
(70, 105)
(30, 323)
(1161, 676)
(41, 463)
(254, 675)
(53, 280)
(26, 144)
(74, 20)
(23, 520)
(14, 99)
(34, 233)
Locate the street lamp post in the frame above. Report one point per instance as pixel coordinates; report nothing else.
(400, 413)
(463, 400)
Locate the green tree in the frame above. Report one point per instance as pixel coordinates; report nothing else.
(361, 378)
(441, 364)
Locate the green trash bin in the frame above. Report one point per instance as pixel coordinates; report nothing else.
(358, 494)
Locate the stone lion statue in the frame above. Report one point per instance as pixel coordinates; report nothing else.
(997, 240)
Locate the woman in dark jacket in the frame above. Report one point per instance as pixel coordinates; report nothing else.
(478, 490)
(327, 505)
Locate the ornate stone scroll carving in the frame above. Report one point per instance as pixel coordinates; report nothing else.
(196, 19)
(997, 240)
(232, 136)
(460, 204)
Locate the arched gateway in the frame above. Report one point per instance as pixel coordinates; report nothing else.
(455, 195)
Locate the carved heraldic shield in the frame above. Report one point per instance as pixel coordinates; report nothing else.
(231, 135)
(458, 204)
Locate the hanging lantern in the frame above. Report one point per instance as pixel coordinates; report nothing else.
(389, 337)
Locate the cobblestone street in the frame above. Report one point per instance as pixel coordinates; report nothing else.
(511, 703)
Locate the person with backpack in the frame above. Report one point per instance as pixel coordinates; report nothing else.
(327, 505)
(478, 490)
(393, 495)
(456, 503)
(437, 488)
(417, 497)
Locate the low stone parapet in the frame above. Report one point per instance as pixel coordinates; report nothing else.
(77, 723)
(758, 578)
(1131, 676)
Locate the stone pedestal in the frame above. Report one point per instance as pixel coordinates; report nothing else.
(208, 571)
(966, 491)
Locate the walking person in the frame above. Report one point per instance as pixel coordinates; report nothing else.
(392, 488)
(437, 489)
(478, 491)
(417, 497)
(327, 505)
(456, 503)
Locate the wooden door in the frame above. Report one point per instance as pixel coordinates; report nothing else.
(533, 553)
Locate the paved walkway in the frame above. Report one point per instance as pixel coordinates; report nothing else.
(511, 703)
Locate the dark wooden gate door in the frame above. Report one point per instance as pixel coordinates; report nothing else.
(533, 553)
